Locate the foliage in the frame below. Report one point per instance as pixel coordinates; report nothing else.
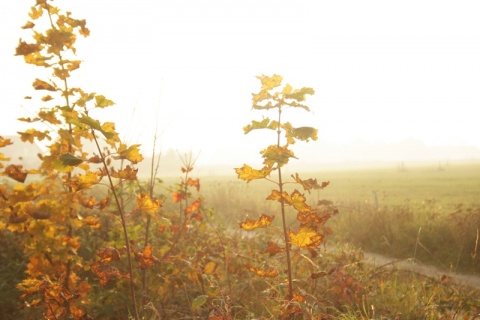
(310, 232)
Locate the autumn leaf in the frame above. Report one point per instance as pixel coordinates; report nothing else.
(248, 173)
(310, 183)
(28, 25)
(146, 258)
(31, 134)
(312, 219)
(305, 133)
(267, 273)
(104, 203)
(131, 153)
(147, 204)
(300, 94)
(277, 154)
(42, 85)
(298, 297)
(273, 249)
(194, 206)
(263, 222)
(109, 254)
(210, 267)
(194, 183)
(306, 238)
(5, 142)
(264, 124)
(84, 181)
(105, 272)
(47, 98)
(178, 196)
(127, 174)
(102, 102)
(295, 199)
(16, 172)
(24, 49)
(34, 13)
(93, 222)
(269, 83)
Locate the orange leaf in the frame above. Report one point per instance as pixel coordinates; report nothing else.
(105, 271)
(178, 196)
(263, 222)
(273, 249)
(93, 222)
(16, 173)
(194, 206)
(194, 183)
(146, 258)
(109, 254)
(267, 273)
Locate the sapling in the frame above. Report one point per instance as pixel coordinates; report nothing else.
(308, 232)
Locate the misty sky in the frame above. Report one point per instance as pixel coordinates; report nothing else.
(383, 71)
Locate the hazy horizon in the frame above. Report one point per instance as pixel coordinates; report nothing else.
(384, 72)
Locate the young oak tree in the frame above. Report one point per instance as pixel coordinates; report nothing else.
(309, 232)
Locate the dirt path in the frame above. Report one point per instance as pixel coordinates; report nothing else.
(427, 270)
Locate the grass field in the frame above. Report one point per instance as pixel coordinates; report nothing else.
(427, 212)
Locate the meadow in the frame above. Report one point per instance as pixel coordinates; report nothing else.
(425, 211)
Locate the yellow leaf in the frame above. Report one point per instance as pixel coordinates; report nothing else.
(147, 204)
(287, 89)
(269, 83)
(131, 153)
(210, 267)
(248, 173)
(263, 222)
(35, 14)
(307, 238)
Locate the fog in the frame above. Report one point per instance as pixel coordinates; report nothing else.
(394, 80)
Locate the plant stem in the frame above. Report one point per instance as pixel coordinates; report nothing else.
(124, 227)
(284, 220)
